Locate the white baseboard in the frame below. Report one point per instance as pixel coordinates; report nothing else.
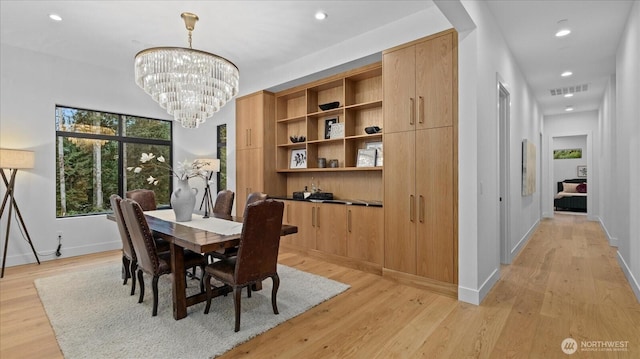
(523, 241)
(613, 241)
(627, 273)
(28, 257)
(475, 296)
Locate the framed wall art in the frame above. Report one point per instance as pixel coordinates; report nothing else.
(298, 159)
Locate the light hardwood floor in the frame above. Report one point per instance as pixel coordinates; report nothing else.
(565, 283)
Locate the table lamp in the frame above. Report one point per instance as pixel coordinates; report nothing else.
(13, 160)
(212, 165)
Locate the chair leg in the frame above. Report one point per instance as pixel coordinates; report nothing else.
(236, 303)
(141, 281)
(132, 269)
(125, 268)
(274, 292)
(154, 285)
(207, 281)
(202, 280)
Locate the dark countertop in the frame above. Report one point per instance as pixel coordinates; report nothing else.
(349, 202)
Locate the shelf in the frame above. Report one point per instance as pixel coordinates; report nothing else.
(292, 119)
(328, 113)
(328, 140)
(293, 145)
(365, 105)
(375, 136)
(338, 169)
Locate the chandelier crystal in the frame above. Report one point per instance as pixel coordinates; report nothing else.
(190, 84)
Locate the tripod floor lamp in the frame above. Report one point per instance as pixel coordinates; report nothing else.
(13, 160)
(212, 165)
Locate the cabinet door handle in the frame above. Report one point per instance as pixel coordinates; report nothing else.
(249, 137)
(421, 213)
(313, 216)
(412, 202)
(318, 217)
(412, 110)
(349, 220)
(421, 109)
(246, 138)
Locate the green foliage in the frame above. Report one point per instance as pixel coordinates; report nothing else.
(567, 154)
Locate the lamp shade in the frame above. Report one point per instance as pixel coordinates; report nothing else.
(211, 164)
(16, 159)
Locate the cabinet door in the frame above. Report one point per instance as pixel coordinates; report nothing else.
(434, 187)
(249, 121)
(249, 176)
(434, 82)
(300, 214)
(365, 233)
(331, 229)
(400, 202)
(398, 81)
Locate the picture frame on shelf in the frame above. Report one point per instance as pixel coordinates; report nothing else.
(582, 171)
(377, 145)
(366, 157)
(298, 159)
(327, 127)
(337, 130)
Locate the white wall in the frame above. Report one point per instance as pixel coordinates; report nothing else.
(33, 83)
(567, 168)
(484, 56)
(626, 184)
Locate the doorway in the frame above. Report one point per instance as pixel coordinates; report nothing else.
(504, 110)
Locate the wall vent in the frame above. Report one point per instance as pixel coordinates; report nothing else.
(569, 89)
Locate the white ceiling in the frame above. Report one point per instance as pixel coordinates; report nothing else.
(258, 35)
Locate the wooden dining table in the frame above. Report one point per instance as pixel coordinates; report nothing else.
(180, 237)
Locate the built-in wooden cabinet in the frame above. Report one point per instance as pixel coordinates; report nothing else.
(420, 141)
(255, 141)
(359, 93)
(351, 232)
(365, 234)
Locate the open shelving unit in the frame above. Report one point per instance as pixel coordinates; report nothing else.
(359, 93)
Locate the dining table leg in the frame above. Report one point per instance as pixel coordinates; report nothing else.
(179, 285)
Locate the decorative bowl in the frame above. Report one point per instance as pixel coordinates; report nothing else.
(296, 139)
(372, 129)
(329, 106)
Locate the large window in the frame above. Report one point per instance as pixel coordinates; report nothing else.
(93, 151)
(222, 155)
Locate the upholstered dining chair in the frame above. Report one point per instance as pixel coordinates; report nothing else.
(149, 260)
(233, 251)
(145, 197)
(129, 261)
(224, 203)
(257, 257)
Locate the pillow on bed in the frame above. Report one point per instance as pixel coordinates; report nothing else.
(570, 187)
(582, 188)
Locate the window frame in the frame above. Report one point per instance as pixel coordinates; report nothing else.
(118, 137)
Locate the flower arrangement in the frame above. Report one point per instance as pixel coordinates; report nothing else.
(183, 170)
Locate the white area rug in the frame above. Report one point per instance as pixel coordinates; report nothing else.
(94, 316)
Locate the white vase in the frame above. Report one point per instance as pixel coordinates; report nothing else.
(183, 200)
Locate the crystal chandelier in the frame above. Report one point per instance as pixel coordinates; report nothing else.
(190, 84)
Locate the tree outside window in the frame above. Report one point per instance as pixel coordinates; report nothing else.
(222, 155)
(93, 151)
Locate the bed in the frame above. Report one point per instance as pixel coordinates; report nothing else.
(572, 195)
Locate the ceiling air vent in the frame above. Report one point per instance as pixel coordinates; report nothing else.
(569, 89)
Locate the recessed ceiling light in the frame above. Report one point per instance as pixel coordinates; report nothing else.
(55, 17)
(569, 108)
(321, 15)
(566, 74)
(563, 28)
(568, 95)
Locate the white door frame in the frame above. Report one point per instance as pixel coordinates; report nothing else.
(504, 113)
